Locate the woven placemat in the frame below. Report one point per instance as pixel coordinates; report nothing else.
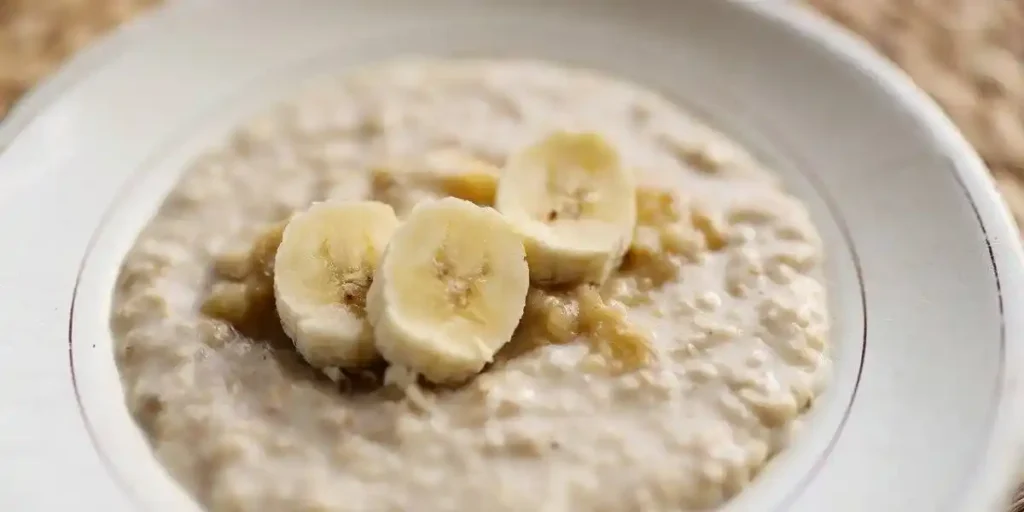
(968, 54)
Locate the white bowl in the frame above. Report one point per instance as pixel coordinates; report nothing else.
(924, 264)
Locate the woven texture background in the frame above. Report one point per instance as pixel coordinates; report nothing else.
(968, 54)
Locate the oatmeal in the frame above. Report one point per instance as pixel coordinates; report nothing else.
(244, 290)
(667, 386)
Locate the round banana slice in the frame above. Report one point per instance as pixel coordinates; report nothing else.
(464, 176)
(575, 205)
(322, 272)
(449, 291)
(443, 172)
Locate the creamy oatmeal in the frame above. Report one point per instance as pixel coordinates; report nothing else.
(716, 321)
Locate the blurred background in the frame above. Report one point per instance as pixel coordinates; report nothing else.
(968, 54)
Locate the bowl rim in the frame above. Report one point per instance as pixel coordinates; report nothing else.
(994, 485)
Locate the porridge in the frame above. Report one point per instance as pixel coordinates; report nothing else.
(655, 366)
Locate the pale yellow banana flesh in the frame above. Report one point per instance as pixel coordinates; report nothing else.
(575, 204)
(323, 270)
(450, 290)
(445, 172)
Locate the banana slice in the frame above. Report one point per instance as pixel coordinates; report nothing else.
(463, 176)
(322, 271)
(436, 174)
(449, 291)
(575, 205)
